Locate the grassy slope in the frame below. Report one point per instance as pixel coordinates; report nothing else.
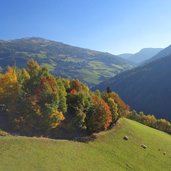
(108, 152)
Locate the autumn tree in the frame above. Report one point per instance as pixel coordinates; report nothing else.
(122, 107)
(99, 116)
(112, 105)
(150, 120)
(163, 125)
(8, 86)
(40, 101)
(9, 92)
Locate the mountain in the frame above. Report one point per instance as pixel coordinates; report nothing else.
(126, 55)
(145, 88)
(163, 53)
(89, 66)
(108, 152)
(142, 55)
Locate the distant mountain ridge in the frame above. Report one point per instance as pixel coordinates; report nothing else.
(145, 88)
(142, 55)
(163, 53)
(89, 66)
(125, 55)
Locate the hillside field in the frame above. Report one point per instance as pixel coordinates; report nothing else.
(89, 66)
(108, 152)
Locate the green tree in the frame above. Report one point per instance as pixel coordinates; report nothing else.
(78, 104)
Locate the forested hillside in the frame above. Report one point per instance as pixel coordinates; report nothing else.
(145, 88)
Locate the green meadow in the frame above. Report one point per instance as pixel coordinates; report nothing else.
(109, 151)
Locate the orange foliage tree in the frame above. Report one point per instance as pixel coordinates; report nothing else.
(99, 116)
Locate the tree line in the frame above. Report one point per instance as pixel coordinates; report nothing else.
(35, 102)
(151, 120)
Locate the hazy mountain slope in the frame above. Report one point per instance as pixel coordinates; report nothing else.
(64, 60)
(126, 55)
(146, 88)
(108, 152)
(163, 53)
(143, 55)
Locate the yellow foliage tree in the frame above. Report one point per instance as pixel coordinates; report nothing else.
(8, 86)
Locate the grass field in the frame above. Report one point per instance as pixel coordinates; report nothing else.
(108, 152)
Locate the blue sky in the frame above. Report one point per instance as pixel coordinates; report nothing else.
(115, 26)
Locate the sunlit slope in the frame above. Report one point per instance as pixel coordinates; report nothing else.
(89, 66)
(108, 152)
